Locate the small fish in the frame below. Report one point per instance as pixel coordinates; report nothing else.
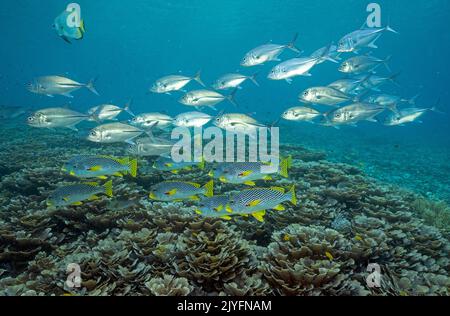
(257, 201)
(363, 64)
(389, 101)
(237, 123)
(329, 255)
(354, 113)
(286, 237)
(100, 167)
(57, 85)
(333, 54)
(145, 120)
(108, 112)
(75, 194)
(363, 38)
(406, 116)
(374, 82)
(232, 81)
(348, 86)
(324, 96)
(167, 164)
(192, 119)
(11, 112)
(267, 53)
(179, 190)
(174, 83)
(56, 117)
(115, 133)
(151, 146)
(206, 98)
(213, 207)
(65, 31)
(122, 204)
(301, 114)
(296, 67)
(247, 172)
(358, 238)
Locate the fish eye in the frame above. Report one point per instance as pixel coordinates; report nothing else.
(337, 115)
(305, 93)
(30, 119)
(93, 133)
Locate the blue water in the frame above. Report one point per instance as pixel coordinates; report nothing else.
(129, 46)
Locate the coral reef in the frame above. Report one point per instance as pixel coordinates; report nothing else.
(344, 221)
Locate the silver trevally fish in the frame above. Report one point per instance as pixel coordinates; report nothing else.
(232, 81)
(56, 117)
(293, 68)
(213, 207)
(156, 119)
(192, 119)
(115, 133)
(174, 83)
(363, 64)
(65, 31)
(108, 112)
(206, 98)
(301, 113)
(365, 37)
(75, 194)
(11, 112)
(257, 201)
(332, 55)
(348, 85)
(57, 85)
(324, 96)
(374, 82)
(237, 123)
(151, 146)
(405, 116)
(354, 113)
(389, 101)
(266, 53)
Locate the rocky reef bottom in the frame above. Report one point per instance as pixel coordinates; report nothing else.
(344, 221)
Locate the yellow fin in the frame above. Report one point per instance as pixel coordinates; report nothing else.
(254, 203)
(169, 165)
(194, 184)
(95, 168)
(77, 203)
(259, 216)
(293, 195)
(133, 168)
(175, 171)
(152, 196)
(93, 184)
(82, 27)
(202, 164)
(211, 174)
(219, 208)
(108, 188)
(223, 179)
(66, 198)
(102, 177)
(284, 166)
(194, 198)
(279, 208)
(93, 198)
(278, 189)
(250, 183)
(229, 209)
(226, 217)
(118, 174)
(72, 173)
(209, 189)
(198, 212)
(188, 168)
(267, 178)
(329, 255)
